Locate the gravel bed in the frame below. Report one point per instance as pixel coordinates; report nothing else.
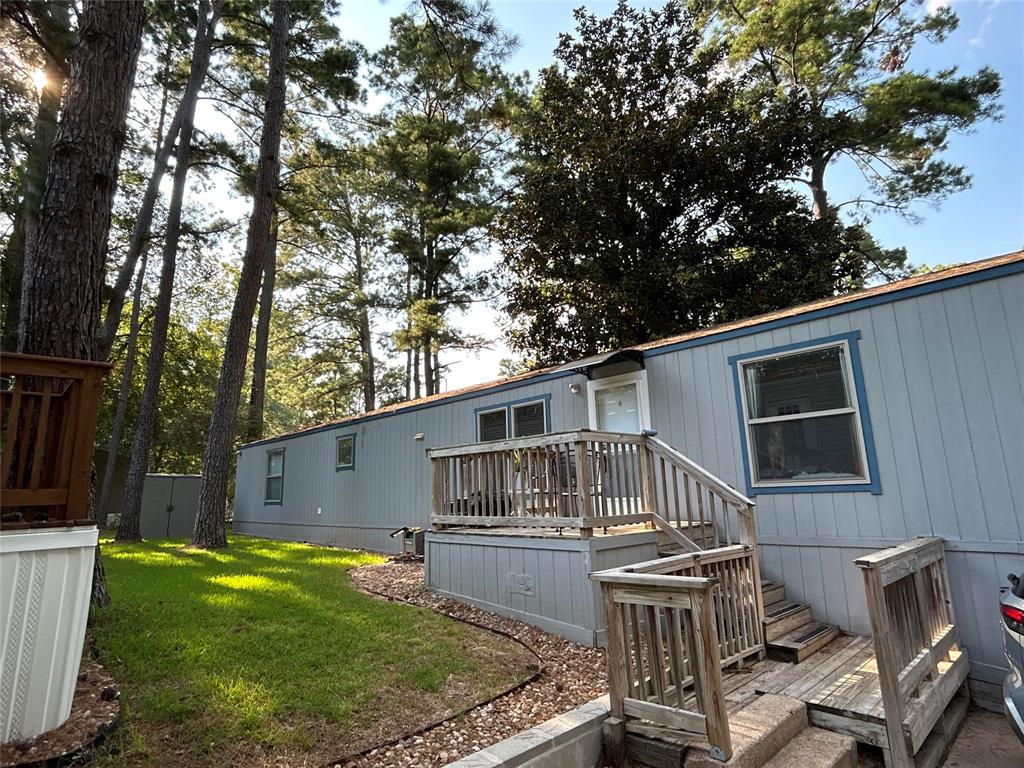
(571, 676)
(95, 709)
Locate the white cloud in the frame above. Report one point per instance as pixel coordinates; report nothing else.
(934, 6)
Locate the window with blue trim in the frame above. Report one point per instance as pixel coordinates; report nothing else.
(803, 419)
(274, 490)
(519, 418)
(346, 452)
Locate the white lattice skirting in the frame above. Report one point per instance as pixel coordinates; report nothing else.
(45, 583)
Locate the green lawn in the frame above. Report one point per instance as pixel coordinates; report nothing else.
(264, 653)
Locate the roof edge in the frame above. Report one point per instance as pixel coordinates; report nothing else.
(969, 272)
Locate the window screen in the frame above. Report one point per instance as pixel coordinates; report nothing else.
(275, 476)
(492, 425)
(346, 458)
(802, 418)
(528, 419)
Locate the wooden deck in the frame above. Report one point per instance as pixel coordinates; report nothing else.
(839, 684)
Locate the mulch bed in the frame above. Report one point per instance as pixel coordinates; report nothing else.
(94, 713)
(571, 676)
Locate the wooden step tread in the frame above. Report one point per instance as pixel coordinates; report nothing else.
(807, 639)
(780, 610)
(805, 634)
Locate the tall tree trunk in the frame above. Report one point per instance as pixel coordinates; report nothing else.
(26, 222)
(144, 218)
(131, 508)
(63, 272)
(123, 395)
(367, 362)
(209, 530)
(819, 194)
(131, 354)
(258, 391)
(408, 327)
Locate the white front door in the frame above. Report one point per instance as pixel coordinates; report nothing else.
(619, 403)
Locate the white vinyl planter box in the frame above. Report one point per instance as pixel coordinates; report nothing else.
(45, 584)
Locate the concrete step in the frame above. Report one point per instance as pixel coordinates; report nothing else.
(783, 617)
(816, 748)
(806, 639)
(772, 592)
(759, 731)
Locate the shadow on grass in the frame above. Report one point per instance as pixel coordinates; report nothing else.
(267, 646)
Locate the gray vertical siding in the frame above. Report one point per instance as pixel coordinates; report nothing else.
(943, 376)
(390, 485)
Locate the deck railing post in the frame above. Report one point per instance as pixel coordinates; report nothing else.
(888, 668)
(708, 670)
(748, 536)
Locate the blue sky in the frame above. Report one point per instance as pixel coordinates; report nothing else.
(986, 220)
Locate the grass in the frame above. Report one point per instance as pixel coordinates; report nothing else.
(265, 653)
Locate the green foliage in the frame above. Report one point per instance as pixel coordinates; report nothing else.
(442, 145)
(647, 201)
(850, 58)
(190, 373)
(267, 653)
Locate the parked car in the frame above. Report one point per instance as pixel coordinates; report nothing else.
(1011, 604)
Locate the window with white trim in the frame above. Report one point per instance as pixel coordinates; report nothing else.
(492, 425)
(345, 453)
(802, 417)
(274, 492)
(529, 419)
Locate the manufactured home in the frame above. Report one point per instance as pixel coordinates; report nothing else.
(808, 438)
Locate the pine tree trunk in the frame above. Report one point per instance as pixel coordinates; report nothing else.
(123, 394)
(63, 272)
(258, 390)
(131, 508)
(818, 193)
(209, 530)
(26, 222)
(367, 362)
(144, 218)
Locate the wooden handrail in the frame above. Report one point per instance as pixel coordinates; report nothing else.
(917, 646)
(47, 421)
(663, 657)
(724, 490)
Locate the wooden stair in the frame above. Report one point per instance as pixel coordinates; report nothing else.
(790, 631)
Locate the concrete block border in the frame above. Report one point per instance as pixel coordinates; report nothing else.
(572, 740)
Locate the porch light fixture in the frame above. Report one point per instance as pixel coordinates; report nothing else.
(418, 436)
(575, 388)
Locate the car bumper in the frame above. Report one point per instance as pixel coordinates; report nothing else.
(1013, 704)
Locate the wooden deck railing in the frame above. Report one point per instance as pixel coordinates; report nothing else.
(48, 411)
(577, 479)
(587, 479)
(917, 647)
(664, 670)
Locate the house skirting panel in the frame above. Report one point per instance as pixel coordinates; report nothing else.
(541, 580)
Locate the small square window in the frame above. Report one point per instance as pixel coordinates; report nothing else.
(346, 452)
(529, 419)
(492, 425)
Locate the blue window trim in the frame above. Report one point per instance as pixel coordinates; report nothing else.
(508, 406)
(874, 485)
(338, 439)
(266, 468)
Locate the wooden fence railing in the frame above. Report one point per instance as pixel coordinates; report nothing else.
(917, 647)
(48, 411)
(587, 479)
(578, 479)
(664, 670)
